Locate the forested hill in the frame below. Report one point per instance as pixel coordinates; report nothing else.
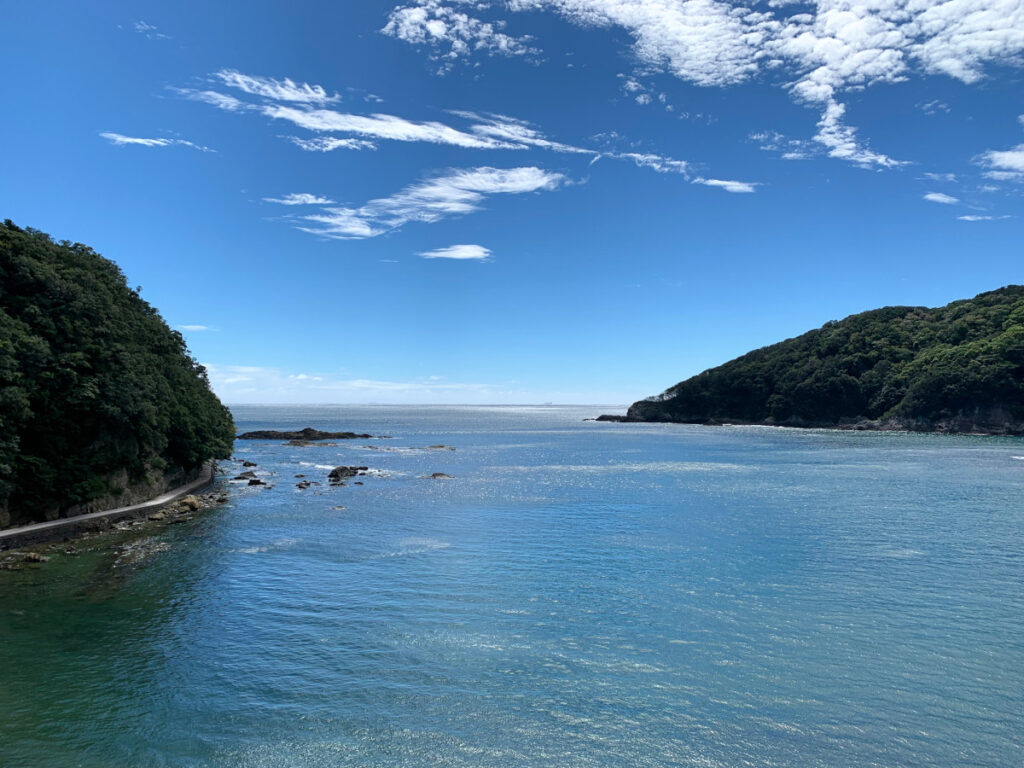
(958, 368)
(100, 402)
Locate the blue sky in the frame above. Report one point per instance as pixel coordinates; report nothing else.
(520, 200)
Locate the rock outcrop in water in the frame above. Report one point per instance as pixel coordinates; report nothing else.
(957, 369)
(307, 435)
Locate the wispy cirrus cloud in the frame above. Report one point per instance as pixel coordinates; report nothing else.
(483, 131)
(277, 90)
(382, 126)
(299, 198)
(979, 217)
(514, 133)
(150, 31)
(947, 177)
(330, 143)
(456, 193)
(120, 140)
(195, 328)
(214, 98)
(736, 187)
(458, 252)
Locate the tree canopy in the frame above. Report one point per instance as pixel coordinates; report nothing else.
(955, 367)
(92, 381)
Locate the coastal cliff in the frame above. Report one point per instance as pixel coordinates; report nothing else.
(101, 404)
(956, 369)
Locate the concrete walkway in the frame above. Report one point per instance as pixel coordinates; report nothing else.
(67, 528)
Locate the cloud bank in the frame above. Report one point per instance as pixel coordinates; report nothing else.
(816, 51)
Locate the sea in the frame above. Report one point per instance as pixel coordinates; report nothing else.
(575, 593)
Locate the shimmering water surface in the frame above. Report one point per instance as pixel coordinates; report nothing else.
(578, 594)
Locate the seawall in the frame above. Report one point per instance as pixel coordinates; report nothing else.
(69, 528)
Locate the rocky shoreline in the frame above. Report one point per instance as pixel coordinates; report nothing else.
(36, 543)
(173, 513)
(957, 425)
(66, 529)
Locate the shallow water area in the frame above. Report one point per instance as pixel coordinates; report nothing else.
(574, 594)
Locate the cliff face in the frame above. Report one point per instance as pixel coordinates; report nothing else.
(958, 368)
(100, 402)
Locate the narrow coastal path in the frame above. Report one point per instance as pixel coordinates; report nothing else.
(37, 533)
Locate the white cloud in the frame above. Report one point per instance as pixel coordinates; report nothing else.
(949, 177)
(120, 140)
(656, 162)
(975, 217)
(194, 327)
(299, 198)
(214, 98)
(841, 140)
(703, 41)
(789, 149)
(278, 90)
(381, 126)
(941, 197)
(458, 192)
(817, 53)
(329, 143)
(150, 31)
(632, 85)
(729, 186)
(514, 133)
(464, 252)
(1004, 175)
(452, 34)
(484, 131)
(1007, 161)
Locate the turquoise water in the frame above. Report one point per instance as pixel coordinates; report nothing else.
(578, 594)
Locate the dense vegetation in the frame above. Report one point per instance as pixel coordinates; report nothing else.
(957, 368)
(96, 392)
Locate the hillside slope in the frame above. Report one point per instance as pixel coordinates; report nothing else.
(958, 368)
(100, 402)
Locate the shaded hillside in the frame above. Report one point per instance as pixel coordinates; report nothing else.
(100, 402)
(958, 368)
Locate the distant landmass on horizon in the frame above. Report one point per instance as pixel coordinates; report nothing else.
(957, 368)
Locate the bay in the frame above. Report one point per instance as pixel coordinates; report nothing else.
(575, 594)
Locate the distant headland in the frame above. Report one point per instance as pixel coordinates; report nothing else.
(953, 369)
